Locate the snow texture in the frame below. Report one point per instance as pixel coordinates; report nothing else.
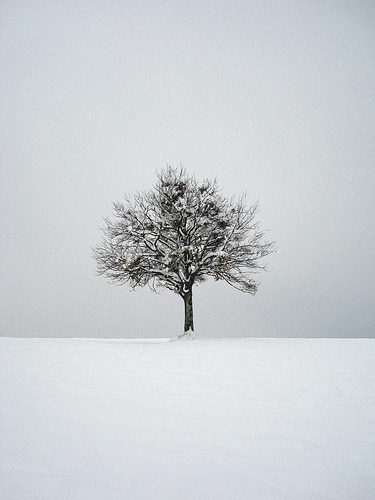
(206, 419)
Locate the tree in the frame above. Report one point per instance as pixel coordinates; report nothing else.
(180, 233)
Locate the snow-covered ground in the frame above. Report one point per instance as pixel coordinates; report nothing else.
(201, 419)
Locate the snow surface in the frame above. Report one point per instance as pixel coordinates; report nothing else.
(202, 419)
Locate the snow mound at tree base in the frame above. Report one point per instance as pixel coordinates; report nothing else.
(190, 334)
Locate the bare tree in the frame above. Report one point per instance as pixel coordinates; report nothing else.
(180, 233)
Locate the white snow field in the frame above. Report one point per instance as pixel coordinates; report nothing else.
(195, 419)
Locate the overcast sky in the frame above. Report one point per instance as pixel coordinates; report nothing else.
(275, 98)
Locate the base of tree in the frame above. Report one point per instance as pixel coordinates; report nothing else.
(190, 334)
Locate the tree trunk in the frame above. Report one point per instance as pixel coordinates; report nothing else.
(189, 323)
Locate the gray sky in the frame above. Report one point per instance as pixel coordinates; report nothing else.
(276, 98)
